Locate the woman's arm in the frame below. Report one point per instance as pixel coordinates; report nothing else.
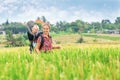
(56, 47)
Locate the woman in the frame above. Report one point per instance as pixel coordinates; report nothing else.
(32, 30)
(47, 44)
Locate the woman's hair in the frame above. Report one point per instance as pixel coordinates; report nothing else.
(46, 24)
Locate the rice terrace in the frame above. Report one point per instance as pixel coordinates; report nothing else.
(85, 61)
(59, 39)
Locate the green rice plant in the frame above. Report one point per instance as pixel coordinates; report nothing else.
(76, 62)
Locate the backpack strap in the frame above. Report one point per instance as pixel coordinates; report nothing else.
(42, 42)
(31, 37)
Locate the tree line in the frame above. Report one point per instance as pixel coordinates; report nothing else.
(77, 26)
(81, 26)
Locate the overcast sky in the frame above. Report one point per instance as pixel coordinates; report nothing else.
(56, 10)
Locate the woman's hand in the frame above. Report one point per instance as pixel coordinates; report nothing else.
(56, 47)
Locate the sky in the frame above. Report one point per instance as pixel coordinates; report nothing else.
(59, 10)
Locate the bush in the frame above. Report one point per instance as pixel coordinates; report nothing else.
(80, 40)
(95, 40)
(16, 40)
(58, 42)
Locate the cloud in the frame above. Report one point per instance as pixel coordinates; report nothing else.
(54, 14)
(23, 11)
(9, 1)
(7, 6)
(2, 9)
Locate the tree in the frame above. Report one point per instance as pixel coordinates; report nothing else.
(43, 19)
(80, 25)
(15, 27)
(74, 27)
(110, 26)
(10, 39)
(13, 41)
(61, 25)
(7, 22)
(96, 26)
(106, 21)
(117, 21)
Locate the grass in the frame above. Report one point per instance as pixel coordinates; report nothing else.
(72, 62)
(113, 38)
(87, 38)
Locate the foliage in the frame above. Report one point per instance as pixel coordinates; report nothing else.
(76, 62)
(117, 21)
(15, 40)
(80, 40)
(72, 27)
(103, 37)
(15, 27)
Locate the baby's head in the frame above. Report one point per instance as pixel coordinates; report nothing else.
(32, 26)
(35, 28)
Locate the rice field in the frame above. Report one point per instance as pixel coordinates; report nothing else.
(71, 62)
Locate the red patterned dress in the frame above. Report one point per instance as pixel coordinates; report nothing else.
(47, 45)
